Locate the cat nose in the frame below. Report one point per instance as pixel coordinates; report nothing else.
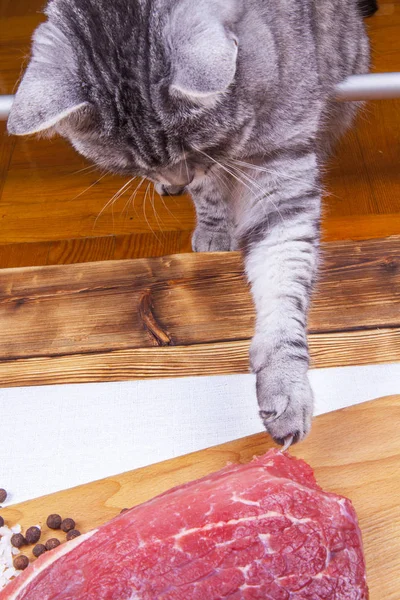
(170, 190)
(172, 181)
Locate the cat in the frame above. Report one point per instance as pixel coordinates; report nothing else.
(368, 7)
(232, 101)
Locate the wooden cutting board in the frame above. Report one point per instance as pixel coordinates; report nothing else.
(354, 451)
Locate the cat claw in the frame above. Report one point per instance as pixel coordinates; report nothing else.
(268, 416)
(287, 442)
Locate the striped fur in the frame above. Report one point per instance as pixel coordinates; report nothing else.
(232, 100)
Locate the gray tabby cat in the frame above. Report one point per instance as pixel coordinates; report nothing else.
(231, 100)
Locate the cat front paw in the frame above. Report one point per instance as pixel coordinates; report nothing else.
(286, 402)
(206, 240)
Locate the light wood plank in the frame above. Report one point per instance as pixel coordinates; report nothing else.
(355, 452)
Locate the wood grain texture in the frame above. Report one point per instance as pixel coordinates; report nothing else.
(92, 249)
(343, 349)
(362, 464)
(48, 216)
(185, 315)
(360, 227)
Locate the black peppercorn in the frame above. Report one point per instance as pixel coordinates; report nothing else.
(54, 521)
(38, 550)
(67, 525)
(1, 521)
(74, 533)
(21, 562)
(52, 543)
(18, 540)
(3, 495)
(32, 535)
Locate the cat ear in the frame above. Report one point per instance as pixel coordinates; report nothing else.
(48, 91)
(42, 100)
(204, 55)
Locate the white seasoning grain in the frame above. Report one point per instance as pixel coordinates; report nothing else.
(7, 553)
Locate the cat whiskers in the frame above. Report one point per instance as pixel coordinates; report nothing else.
(114, 198)
(257, 199)
(166, 207)
(90, 168)
(132, 199)
(256, 188)
(89, 187)
(273, 173)
(225, 168)
(240, 180)
(220, 177)
(186, 165)
(264, 193)
(145, 216)
(155, 212)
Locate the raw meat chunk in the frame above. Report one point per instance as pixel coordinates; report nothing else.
(262, 530)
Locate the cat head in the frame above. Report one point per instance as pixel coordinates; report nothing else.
(142, 87)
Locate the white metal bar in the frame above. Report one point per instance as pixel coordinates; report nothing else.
(5, 106)
(374, 86)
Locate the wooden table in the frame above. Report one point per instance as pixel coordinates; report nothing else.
(192, 314)
(185, 314)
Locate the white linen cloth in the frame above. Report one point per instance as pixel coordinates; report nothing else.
(56, 437)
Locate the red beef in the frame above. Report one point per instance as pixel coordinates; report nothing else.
(262, 530)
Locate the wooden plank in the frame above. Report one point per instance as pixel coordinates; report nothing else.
(143, 245)
(343, 349)
(182, 300)
(7, 144)
(93, 249)
(185, 315)
(361, 464)
(360, 227)
(23, 255)
(147, 245)
(51, 203)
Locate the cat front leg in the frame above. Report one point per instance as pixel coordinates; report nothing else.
(279, 233)
(213, 232)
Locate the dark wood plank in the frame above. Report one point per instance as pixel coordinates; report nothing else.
(193, 300)
(343, 349)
